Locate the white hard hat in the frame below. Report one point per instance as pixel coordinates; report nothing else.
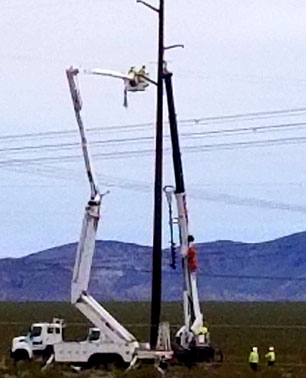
(255, 349)
(271, 348)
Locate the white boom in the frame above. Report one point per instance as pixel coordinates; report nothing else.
(109, 326)
(110, 73)
(136, 82)
(192, 311)
(193, 332)
(193, 317)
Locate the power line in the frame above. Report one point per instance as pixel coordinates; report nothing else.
(246, 144)
(245, 115)
(229, 199)
(146, 139)
(239, 130)
(195, 120)
(148, 152)
(111, 181)
(139, 186)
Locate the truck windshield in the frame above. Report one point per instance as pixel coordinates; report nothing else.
(36, 331)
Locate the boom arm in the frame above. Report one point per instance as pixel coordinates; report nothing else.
(110, 327)
(192, 311)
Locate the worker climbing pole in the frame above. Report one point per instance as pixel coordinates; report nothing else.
(191, 255)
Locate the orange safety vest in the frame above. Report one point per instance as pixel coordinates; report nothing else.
(192, 259)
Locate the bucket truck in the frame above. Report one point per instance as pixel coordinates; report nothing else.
(192, 339)
(112, 340)
(108, 341)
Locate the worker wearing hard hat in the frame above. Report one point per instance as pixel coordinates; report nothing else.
(133, 73)
(142, 74)
(270, 356)
(202, 335)
(254, 358)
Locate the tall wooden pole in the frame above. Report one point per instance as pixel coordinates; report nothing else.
(157, 236)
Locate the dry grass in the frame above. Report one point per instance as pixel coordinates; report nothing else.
(235, 327)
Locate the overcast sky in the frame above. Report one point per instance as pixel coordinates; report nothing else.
(240, 57)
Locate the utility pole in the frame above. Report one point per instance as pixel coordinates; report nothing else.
(157, 231)
(158, 186)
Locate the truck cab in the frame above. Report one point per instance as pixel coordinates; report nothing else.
(39, 340)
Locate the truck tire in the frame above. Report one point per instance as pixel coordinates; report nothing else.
(106, 361)
(20, 355)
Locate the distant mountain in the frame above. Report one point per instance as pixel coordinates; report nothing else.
(233, 271)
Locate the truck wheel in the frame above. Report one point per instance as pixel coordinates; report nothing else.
(21, 355)
(106, 361)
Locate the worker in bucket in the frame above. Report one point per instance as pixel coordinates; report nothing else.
(191, 255)
(270, 356)
(142, 73)
(133, 73)
(254, 358)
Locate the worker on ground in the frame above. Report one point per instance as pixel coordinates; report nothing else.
(254, 358)
(202, 334)
(191, 255)
(270, 356)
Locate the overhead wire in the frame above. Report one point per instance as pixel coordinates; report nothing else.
(35, 164)
(141, 139)
(148, 152)
(195, 120)
(145, 139)
(229, 199)
(135, 185)
(252, 115)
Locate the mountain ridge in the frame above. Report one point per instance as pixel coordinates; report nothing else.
(228, 270)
